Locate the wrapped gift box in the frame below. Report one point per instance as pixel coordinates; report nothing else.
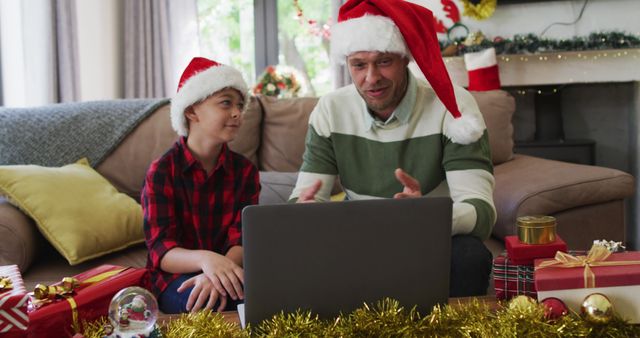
(620, 283)
(88, 302)
(13, 304)
(524, 254)
(511, 279)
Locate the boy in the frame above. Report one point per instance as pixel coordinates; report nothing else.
(194, 194)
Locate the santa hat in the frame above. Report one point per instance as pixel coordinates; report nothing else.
(201, 79)
(482, 69)
(404, 28)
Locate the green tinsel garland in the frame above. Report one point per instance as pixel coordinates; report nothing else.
(388, 319)
(530, 43)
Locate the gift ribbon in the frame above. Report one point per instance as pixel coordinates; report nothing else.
(5, 284)
(597, 256)
(46, 294)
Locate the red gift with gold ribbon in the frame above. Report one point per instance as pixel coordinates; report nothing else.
(572, 278)
(13, 303)
(58, 310)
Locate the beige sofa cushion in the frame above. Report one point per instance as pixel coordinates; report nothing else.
(497, 107)
(127, 165)
(284, 128)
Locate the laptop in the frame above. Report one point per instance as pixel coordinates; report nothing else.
(333, 257)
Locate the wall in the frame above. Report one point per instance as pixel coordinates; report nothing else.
(100, 44)
(534, 17)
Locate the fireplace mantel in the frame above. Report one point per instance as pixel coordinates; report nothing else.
(619, 65)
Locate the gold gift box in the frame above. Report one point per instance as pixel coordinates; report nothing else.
(536, 229)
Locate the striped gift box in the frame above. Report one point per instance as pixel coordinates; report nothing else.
(13, 304)
(511, 279)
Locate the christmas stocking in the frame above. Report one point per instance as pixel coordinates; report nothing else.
(482, 69)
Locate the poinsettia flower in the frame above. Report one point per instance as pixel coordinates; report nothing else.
(281, 85)
(270, 70)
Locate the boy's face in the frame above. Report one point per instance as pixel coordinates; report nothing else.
(218, 117)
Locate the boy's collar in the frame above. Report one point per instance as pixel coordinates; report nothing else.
(223, 158)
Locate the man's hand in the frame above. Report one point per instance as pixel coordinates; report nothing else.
(202, 289)
(225, 275)
(309, 194)
(411, 185)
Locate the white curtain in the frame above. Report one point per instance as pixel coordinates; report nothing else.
(161, 36)
(39, 52)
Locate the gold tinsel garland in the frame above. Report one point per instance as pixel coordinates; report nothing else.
(480, 11)
(388, 319)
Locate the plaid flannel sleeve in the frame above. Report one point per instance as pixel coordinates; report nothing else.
(248, 196)
(158, 214)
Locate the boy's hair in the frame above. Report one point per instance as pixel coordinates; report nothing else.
(201, 79)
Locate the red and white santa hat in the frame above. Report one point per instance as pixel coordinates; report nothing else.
(482, 69)
(408, 29)
(201, 79)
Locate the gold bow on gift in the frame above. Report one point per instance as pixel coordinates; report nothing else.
(5, 284)
(44, 294)
(597, 256)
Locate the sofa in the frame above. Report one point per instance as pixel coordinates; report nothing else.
(588, 201)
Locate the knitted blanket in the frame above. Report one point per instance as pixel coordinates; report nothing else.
(61, 134)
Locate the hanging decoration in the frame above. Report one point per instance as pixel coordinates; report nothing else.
(314, 28)
(445, 13)
(479, 9)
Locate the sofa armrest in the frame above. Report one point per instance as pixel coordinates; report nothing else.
(19, 237)
(529, 185)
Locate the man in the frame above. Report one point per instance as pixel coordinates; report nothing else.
(391, 135)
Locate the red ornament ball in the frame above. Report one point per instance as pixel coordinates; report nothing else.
(554, 308)
(498, 39)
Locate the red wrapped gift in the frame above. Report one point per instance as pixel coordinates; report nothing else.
(572, 278)
(89, 300)
(13, 302)
(521, 253)
(511, 279)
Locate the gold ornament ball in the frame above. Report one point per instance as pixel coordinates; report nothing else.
(597, 308)
(522, 303)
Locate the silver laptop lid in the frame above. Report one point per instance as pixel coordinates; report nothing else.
(333, 257)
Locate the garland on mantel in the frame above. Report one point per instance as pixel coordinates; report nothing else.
(531, 44)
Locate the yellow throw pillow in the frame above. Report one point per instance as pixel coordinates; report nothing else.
(81, 214)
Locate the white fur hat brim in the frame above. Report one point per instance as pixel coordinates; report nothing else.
(199, 87)
(366, 33)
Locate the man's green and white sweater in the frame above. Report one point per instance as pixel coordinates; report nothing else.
(344, 139)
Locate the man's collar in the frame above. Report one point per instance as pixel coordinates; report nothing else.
(402, 113)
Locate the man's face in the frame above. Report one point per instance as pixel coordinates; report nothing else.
(380, 78)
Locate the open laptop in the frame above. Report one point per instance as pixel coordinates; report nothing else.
(332, 257)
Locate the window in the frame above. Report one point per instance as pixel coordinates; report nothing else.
(227, 34)
(303, 36)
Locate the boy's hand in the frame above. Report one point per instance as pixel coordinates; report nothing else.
(411, 185)
(225, 275)
(202, 289)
